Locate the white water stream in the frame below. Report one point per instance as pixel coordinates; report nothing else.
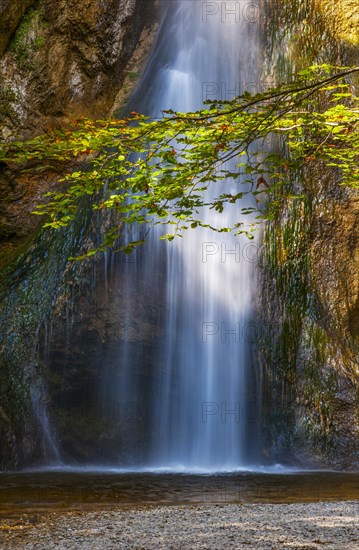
(202, 412)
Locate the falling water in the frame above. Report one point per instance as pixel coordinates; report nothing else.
(201, 413)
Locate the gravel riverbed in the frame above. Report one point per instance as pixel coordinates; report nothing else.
(262, 526)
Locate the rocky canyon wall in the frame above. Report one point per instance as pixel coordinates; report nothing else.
(59, 59)
(309, 275)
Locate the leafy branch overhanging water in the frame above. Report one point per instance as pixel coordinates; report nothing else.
(157, 171)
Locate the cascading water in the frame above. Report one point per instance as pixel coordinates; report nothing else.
(199, 404)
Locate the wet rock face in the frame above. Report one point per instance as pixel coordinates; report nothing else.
(11, 11)
(335, 257)
(86, 54)
(310, 287)
(91, 336)
(71, 57)
(63, 59)
(342, 17)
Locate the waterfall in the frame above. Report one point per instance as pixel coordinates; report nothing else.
(200, 404)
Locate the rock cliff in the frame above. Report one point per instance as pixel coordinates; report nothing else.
(309, 276)
(58, 60)
(61, 60)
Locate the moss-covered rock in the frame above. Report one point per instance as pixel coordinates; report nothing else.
(64, 60)
(11, 12)
(309, 277)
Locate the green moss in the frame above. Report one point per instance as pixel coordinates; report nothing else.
(28, 38)
(7, 98)
(319, 389)
(300, 356)
(133, 75)
(25, 305)
(39, 42)
(298, 36)
(307, 381)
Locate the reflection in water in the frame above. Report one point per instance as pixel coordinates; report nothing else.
(76, 489)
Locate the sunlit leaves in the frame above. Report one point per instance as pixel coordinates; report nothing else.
(158, 171)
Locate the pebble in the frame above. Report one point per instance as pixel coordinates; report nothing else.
(310, 526)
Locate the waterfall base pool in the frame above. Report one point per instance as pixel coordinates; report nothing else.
(22, 491)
